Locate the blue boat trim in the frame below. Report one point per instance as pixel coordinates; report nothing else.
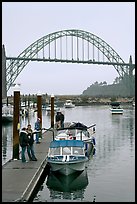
(66, 143)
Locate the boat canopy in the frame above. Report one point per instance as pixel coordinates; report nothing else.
(77, 125)
(115, 103)
(66, 143)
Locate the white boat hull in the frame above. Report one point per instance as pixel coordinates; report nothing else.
(69, 104)
(116, 110)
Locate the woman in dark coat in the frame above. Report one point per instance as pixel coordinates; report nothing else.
(30, 147)
(23, 140)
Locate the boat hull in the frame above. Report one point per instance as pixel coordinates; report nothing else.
(7, 118)
(67, 168)
(116, 110)
(72, 182)
(69, 106)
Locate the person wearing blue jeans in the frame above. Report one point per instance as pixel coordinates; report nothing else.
(37, 128)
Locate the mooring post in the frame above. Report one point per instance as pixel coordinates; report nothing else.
(39, 107)
(28, 109)
(16, 124)
(52, 111)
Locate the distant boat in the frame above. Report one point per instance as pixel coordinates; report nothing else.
(116, 108)
(24, 112)
(7, 113)
(69, 104)
(133, 103)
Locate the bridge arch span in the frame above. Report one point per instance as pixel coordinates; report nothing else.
(17, 65)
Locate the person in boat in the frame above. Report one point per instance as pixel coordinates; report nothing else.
(30, 147)
(23, 140)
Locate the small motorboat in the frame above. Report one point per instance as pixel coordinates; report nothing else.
(7, 113)
(116, 108)
(67, 156)
(69, 104)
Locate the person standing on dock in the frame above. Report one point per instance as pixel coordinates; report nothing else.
(62, 119)
(37, 128)
(23, 140)
(58, 120)
(30, 147)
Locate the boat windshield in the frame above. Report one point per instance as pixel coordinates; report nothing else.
(66, 150)
(54, 151)
(78, 151)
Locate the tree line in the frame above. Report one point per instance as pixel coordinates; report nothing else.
(124, 87)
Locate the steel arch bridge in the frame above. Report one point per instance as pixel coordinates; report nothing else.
(72, 46)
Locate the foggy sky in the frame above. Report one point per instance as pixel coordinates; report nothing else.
(25, 22)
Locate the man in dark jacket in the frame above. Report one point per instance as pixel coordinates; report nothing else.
(30, 147)
(58, 120)
(62, 119)
(23, 140)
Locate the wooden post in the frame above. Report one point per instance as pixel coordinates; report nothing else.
(7, 101)
(25, 100)
(16, 125)
(29, 109)
(52, 111)
(39, 108)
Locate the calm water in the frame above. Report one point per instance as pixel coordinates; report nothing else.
(110, 174)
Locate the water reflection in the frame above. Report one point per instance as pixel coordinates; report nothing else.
(70, 187)
(118, 133)
(6, 142)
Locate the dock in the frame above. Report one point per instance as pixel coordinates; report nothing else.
(19, 180)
